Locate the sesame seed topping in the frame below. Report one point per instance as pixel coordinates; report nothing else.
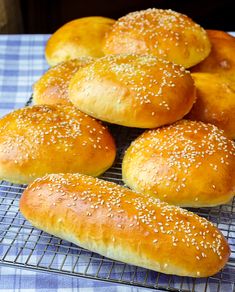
(54, 128)
(183, 155)
(159, 32)
(136, 73)
(149, 218)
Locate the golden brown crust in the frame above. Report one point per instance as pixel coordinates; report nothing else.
(186, 164)
(133, 90)
(219, 34)
(101, 216)
(82, 37)
(52, 87)
(221, 59)
(215, 102)
(45, 139)
(163, 33)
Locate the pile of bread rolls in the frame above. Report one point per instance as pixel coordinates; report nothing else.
(133, 72)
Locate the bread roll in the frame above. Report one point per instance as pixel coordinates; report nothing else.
(221, 58)
(215, 102)
(133, 90)
(78, 38)
(52, 87)
(164, 33)
(188, 164)
(45, 139)
(120, 224)
(219, 34)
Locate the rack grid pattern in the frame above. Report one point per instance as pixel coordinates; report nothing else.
(24, 246)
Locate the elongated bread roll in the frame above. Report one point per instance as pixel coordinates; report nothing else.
(188, 164)
(52, 87)
(163, 33)
(43, 139)
(133, 90)
(118, 223)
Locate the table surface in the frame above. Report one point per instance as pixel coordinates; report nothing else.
(22, 62)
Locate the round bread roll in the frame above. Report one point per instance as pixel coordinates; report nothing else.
(189, 164)
(215, 102)
(133, 90)
(78, 38)
(45, 139)
(221, 58)
(164, 33)
(52, 87)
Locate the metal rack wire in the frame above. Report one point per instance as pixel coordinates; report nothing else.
(22, 245)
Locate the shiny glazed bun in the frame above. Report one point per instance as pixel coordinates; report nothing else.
(221, 58)
(215, 102)
(78, 38)
(52, 87)
(45, 139)
(164, 33)
(189, 164)
(133, 90)
(118, 223)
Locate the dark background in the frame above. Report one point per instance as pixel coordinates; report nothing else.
(45, 16)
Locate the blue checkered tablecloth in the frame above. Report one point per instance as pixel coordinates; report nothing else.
(21, 64)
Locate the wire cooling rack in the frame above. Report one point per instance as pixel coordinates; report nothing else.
(22, 245)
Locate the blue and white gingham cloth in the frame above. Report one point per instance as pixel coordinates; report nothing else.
(22, 62)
